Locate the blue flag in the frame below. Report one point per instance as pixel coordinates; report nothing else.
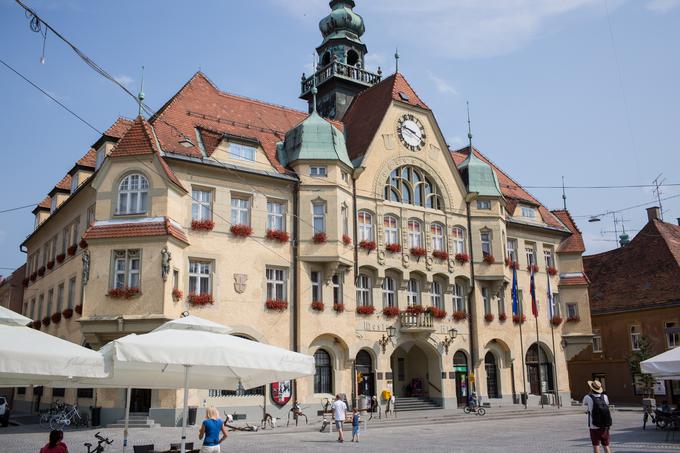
(515, 298)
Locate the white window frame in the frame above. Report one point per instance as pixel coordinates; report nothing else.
(486, 298)
(201, 204)
(635, 335)
(134, 185)
(71, 292)
(597, 341)
(672, 339)
(458, 234)
(549, 257)
(458, 297)
(389, 292)
(528, 212)
(276, 215)
(364, 291)
(276, 284)
(53, 203)
(365, 225)
(318, 171)
(484, 205)
(415, 233)
(391, 228)
(91, 215)
(570, 308)
(501, 301)
(336, 283)
(437, 232)
(200, 277)
(413, 292)
(512, 250)
(242, 152)
(74, 182)
(240, 210)
(60, 297)
(127, 268)
(344, 216)
(436, 295)
(530, 253)
(317, 293)
(319, 216)
(486, 241)
(50, 298)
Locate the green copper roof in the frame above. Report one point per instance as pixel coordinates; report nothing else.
(479, 177)
(342, 22)
(314, 139)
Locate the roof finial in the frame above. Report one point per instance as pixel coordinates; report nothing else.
(469, 125)
(140, 95)
(314, 89)
(396, 59)
(564, 195)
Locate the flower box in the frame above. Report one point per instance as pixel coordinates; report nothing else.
(25, 282)
(393, 248)
(365, 309)
(68, 313)
(573, 318)
(532, 268)
(202, 225)
(241, 231)
(123, 293)
(276, 305)
(46, 321)
(61, 257)
(50, 265)
(415, 309)
(56, 317)
(437, 313)
(41, 271)
(346, 239)
(72, 250)
(82, 244)
(556, 320)
(488, 317)
(418, 252)
(489, 259)
(462, 258)
(338, 308)
(552, 270)
(33, 276)
(390, 312)
(517, 319)
(367, 245)
(36, 324)
(320, 238)
(277, 235)
(440, 254)
(177, 294)
(502, 317)
(511, 264)
(317, 305)
(200, 299)
(79, 309)
(459, 315)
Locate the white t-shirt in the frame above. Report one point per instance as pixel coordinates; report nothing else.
(339, 410)
(588, 402)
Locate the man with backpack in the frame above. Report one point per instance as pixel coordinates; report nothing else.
(599, 416)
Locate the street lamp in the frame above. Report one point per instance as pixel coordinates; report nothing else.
(448, 341)
(391, 333)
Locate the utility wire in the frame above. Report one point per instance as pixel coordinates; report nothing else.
(17, 208)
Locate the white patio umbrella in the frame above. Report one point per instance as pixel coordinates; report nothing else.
(192, 352)
(31, 357)
(663, 366)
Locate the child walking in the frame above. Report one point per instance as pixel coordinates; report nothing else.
(355, 425)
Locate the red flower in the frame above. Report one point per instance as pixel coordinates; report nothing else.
(519, 319)
(576, 318)
(367, 245)
(462, 258)
(418, 251)
(393, 248)
(50, 265)
(200, 299)
(459, 315)
(241, 231)
(415, 309)
(390, 312)
(502, 317)
(488, 317)
(123, 293)
(511, 264)
(61, 257)
(556, 320)
(277, 305)
(72, 250)
(56, 317)
(41, 271)
(177, 294)
(277, 235)
(552, 270)
(82, 244)
(365, 309)
(33, 276)
(532, 267)
(36, 324)
(437, 313)
(440, 254)
(339, 308)
(489, 259)
(346, 239)
(79, 309)
(46, 321)
(68, 313)
(320, 238)
(317, 305)
(25, 282)
(202, 225)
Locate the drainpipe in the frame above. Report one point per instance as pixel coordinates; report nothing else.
(294, 271)
(471, 295)
(355, 230)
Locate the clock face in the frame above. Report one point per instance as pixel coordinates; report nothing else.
(411, 132)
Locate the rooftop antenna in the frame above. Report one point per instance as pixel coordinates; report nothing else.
(658, 182)
(564, 195)
(314, 89)
(469, 125)
(396, 59)
(140, 95)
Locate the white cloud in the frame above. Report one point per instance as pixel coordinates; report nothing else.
(124, 80)
(456, 142)
(662, 6)
(442, 85)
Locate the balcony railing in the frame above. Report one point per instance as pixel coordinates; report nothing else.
(342, 70)
(416, 321)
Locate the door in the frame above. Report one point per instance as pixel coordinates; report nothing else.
(365, 374)
(140, 401)
(491, 376)
(461, 369)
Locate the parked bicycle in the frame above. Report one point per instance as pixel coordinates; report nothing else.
(297, 412)
(69, 416)
(102, 442)
(474, 410)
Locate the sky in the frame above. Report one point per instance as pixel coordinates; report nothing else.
(581, 89)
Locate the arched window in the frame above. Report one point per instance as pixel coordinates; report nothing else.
(326, 59)
(389, 292)
(410, 185)
(323, 376)
(436, 295)
(352, 57)
(415, 234)
(491, 369)
(458, 234)
(133, 193)
(458, 298)
(391, 229)
(413, 293)
(365, 220)
(364, 291)
(437, 231)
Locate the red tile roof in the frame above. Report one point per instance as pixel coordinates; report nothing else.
(367, 111)
(89, 159)
(574, 243)
(119, 128)
(643, 274)
(64, 184)
(574, 281)
(135, 229)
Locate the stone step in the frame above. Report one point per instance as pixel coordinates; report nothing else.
(152, 424)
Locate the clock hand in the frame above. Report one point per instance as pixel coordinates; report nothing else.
(411, 130)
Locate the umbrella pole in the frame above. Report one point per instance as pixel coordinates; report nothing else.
(127, 417)
(185, 410)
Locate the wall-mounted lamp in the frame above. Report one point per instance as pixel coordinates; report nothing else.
(391, 333)
(448, 341)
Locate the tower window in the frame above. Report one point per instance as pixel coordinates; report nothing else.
(326, 59)
(352, 57)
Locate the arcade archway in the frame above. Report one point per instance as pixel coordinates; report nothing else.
(416, 371)
(538, 358)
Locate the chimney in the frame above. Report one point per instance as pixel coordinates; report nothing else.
(653, 213)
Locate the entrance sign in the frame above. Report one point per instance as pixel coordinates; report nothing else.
(281, 392)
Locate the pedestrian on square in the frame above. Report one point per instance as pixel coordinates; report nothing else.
(339, 409)
(355, 425)
(599, 416)
(55, 445)
(211, 428)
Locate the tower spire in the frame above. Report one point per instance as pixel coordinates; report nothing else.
(140, 95)
(564, 195)
(396, 59)
(315, 90)
(469, 125)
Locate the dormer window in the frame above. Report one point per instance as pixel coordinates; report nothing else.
(484, 204)
(101, 154)
(53, 204)
(242, 152)
(318, 172)
(74, 182)
(528, 212)
(133, 193)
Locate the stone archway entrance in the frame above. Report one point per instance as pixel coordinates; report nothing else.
(539, 359)
(365, 374)
(491, 368)
(460, 367)
(416, 371)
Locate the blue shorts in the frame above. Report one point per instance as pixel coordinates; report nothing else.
(355, 430)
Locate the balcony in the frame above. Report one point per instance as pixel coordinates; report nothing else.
(416, 322)
(343, 71)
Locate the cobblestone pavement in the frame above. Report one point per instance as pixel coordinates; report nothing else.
(553, 434)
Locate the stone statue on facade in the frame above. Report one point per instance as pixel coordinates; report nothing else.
(166, 257)
(86, 266)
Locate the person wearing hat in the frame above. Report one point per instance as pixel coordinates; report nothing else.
(599, 416)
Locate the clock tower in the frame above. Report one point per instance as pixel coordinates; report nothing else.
(340, 74)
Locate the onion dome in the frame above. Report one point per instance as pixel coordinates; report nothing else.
(342, 22)
(314, 139)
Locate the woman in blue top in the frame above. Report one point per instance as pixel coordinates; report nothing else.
(211, 428)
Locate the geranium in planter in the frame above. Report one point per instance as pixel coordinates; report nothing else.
(68, 313)
(459, 315)
(511, 264)
(56, 317)
(346, 239)
(177, 294)
(82, 244)
(317, 305)
(41, 271)
(24, 282)
(519, 319)
(436, 312)
(390, 312)
(440, 255)
(415, 309)
(369, 246)
(50, 265)
(33, 276)
(462, 258)
(532, 268)
(339, 308)
(79, 309)
(556, 320)
(276, 305)
(277, 235)
(552, 270)
(488, 317)
(365, 309)
(46, 321)
(36, 324)
(202, 225)
(123, 293)
(200, 299)
(61, 257)
(575, 318)
(241, 231)
(502, 317)
(418, 252)
(320, 238)
(72, 250)
(393, 248)
(489, 259)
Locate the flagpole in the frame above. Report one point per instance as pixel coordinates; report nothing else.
(521, 345)
(540, 374)
(557, 387)
(535, 312)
